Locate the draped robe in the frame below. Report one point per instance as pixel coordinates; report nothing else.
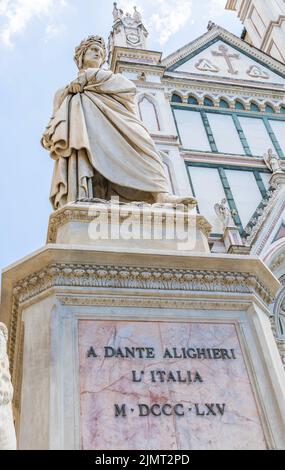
(100, 146)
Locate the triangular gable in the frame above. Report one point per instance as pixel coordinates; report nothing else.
(222, 60)
(218, 53)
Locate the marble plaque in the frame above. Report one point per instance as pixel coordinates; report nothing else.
(165, 386)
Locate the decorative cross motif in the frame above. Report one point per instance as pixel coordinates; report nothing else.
(224, 53)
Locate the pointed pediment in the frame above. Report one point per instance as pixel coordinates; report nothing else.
(220, 54)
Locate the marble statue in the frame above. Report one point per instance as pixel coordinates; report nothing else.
(99, 145)
(224, 214)
(7, 430)
(137, 15)
(273, 162)
(117, 13)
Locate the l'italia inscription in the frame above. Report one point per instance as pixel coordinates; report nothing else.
(165, 376)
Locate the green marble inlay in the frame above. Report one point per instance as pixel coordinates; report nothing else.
(273, 138)
(241, 135)
(230, 198)
(209, 132)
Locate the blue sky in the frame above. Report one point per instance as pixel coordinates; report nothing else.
(37, 40)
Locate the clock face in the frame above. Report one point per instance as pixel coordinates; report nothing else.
(133, 38)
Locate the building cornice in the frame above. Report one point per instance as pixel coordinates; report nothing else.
(135, 56)
(185, 76)
(137, 67)
(220, 90)
(225, 159)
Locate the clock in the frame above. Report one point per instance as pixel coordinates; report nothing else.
(133, 38)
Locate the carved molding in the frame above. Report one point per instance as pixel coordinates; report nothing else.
(216, 92)
(261, 215)
(277, 262)
(127, 277)
(134, 301)
(77, 275)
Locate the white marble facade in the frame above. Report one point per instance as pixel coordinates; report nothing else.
(264, 22)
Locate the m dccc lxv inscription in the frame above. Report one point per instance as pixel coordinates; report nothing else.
(163, 376)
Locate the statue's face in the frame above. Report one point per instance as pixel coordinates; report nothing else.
(93, 57)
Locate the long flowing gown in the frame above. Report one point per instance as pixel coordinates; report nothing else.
(100, 146)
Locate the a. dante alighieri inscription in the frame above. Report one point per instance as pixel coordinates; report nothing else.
(165, 385)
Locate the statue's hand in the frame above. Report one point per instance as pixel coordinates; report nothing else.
(75, 87)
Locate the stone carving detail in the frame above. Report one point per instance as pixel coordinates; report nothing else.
(128, 30)
(206, 65)
(261, 215)
(137, 15)
(64, 275)
(151, 302)
(257, 72)
(277, 262)
(224, 52)
(117, 13)
(224, 213)
(273, 162)
(7, 431)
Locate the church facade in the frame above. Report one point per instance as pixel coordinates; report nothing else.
(215, 107)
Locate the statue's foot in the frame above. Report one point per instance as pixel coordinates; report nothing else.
(166, 198)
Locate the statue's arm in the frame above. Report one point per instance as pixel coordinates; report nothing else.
(59, 97)
(76, 86)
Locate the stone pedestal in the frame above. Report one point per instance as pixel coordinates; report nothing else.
(116, 347)
(135, 226)
(233, 242)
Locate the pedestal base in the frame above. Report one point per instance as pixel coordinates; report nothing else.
(118, 350)
(135, 226)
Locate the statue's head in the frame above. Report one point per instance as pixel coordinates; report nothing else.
(91, 52)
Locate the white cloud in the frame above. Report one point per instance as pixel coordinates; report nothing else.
(216, 8)
(170, 17)
(54, 30)
(165, 17)
(17, 15)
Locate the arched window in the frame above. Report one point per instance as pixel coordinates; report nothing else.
(239, 105)
(208, 102)
(176, 98)
(254, 108)
(148, 114)
(282, 110)
(192, 100)
(269, 109)
(224, 104)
